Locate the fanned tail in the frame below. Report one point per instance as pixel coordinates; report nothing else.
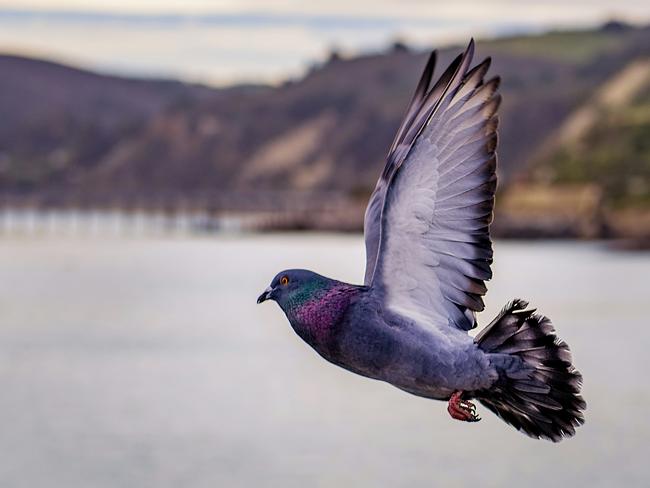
(538, 390)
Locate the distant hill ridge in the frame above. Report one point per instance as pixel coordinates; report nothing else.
(70, 137)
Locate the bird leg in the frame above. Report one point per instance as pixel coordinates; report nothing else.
(461, 409)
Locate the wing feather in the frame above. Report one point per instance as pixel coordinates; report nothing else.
(427, 224)
(417, 115)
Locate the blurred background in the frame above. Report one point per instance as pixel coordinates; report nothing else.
(161, 160)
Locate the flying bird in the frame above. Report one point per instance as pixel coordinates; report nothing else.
(428, 255)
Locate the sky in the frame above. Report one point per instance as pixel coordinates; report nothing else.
(228, 41)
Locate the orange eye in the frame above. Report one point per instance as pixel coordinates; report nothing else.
(284, 281)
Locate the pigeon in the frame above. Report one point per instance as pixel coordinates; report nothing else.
(428, 255)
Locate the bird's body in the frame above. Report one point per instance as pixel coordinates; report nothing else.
(428, 254)
(348, 326)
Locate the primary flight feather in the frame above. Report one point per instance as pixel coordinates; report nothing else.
(428, 254)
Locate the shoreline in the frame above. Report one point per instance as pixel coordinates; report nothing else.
(135, 222)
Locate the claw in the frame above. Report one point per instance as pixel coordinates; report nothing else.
(462, 409)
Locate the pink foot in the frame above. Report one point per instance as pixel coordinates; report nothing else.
(461, 409)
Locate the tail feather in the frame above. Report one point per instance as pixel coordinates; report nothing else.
(538, 390)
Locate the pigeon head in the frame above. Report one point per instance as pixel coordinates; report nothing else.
(313, 303)
(293, 287)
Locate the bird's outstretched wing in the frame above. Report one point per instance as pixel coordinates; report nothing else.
(427, 223)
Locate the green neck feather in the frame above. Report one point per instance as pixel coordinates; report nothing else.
(307, 292)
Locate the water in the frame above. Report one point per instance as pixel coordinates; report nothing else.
(145, 362)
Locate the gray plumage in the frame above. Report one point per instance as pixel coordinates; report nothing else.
(428, 255)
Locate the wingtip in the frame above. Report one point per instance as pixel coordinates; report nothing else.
(431, 64)
(469, 52)
(488, 62)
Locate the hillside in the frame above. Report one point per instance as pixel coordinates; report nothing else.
(59, 121)
(69, 137)
(605, 145)
(608, 141)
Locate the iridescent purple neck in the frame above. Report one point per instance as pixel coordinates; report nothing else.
(316, 318)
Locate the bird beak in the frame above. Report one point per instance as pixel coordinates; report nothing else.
(266, 295)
